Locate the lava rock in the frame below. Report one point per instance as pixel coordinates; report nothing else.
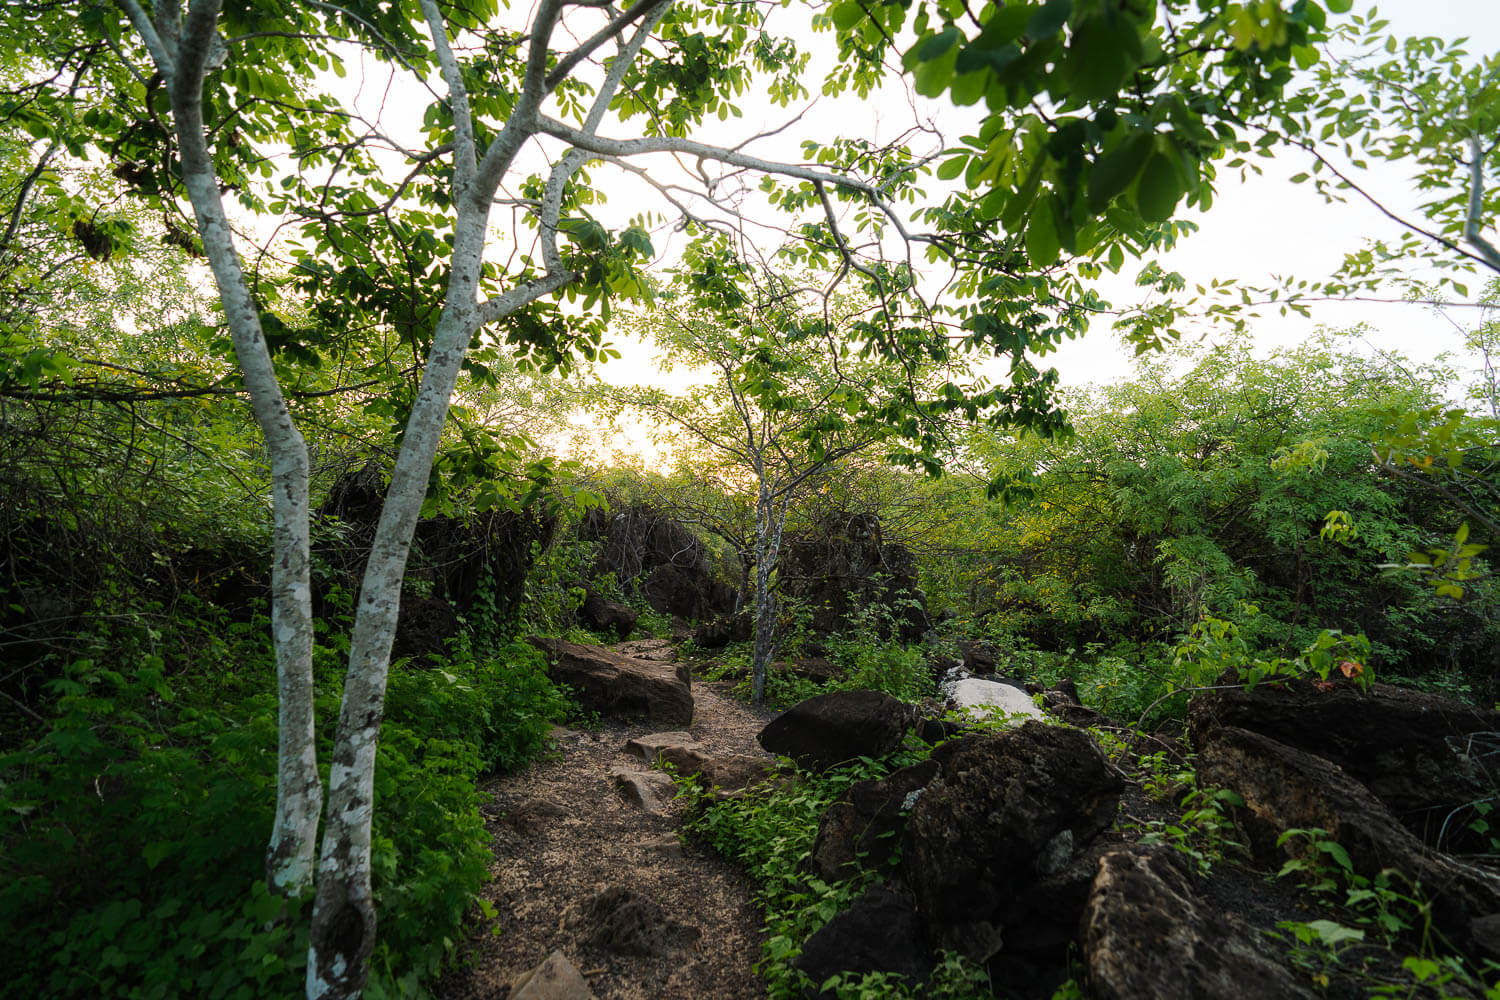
(606, 682)
(837, 727)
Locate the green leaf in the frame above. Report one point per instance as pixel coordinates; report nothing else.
(1159, 190)
(1116, 169)
(1340, 6)
(952, 167)
(1042, 244)
(1049, 20)
(932, 78)
(846, 15)
(1100, 58)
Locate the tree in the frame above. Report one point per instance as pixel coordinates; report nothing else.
(192, 103)
(789, 399)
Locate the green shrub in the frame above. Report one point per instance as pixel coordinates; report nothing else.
(770, 830)
(133, 831)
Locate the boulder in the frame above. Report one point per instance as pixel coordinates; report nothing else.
(978, 657)
(880, 932)
(625, 922)
(1009, 810)
(836, 727)
(606, 682)
(1146, 935)
(650, 746)
(843, 568)
(733, 773)
(685, 754)
(655, 650)
(648, 790)
(1286, 788)
(1061, 700)
(867, 821)
(423, 627)
(1424, 756)
(657, 557)
(818, 669)
(722, 631)
(555, 979)
(982, 699)
(601, 615)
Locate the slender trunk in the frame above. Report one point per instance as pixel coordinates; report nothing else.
(289, 856)
(343, 919)
(768, 525)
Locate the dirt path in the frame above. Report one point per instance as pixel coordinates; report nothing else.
(562, 835)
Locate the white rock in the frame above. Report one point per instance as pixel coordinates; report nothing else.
(985, 698)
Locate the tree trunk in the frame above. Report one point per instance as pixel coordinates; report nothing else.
(290, 853)
(343, 918)
(769, 521)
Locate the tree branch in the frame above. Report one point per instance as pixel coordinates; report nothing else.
(1476, 205)
(465, 160)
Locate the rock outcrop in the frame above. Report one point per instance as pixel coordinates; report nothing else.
(1422, 755)
(837, 727)
(1146, 934)
(1008, 810)
(606, 682)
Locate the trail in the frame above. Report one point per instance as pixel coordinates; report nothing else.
(562, 834)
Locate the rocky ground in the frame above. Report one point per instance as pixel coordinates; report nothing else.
(583, 868)
(1029, 850)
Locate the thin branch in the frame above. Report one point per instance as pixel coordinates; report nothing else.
(1476, 205)
(613, 28)
(732, 157)
(464, 157)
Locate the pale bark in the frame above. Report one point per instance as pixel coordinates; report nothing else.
(290, 854)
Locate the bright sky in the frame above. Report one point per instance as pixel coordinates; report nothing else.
(1262, 227)
(1259, 228)
(1268, 226)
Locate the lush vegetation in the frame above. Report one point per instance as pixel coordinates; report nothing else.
(215, 501)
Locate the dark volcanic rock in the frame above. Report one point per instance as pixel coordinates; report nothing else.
(1009, 810)
(606, 616)
(606, 682)
(1145, 936)
(842, 725)
(1424, 756)
(658, 557)
(722, 631)
(867, 821)
(424, 626)
(880, 932)
(843, 567)
(1286, 788)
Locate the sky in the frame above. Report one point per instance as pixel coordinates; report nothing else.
(1258, 228)
(1268, 226)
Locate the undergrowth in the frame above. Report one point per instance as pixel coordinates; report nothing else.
(133, 830)
(770, 830)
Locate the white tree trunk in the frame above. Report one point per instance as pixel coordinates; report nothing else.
(289, 856)
(768, 524)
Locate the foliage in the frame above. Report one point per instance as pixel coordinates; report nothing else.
(1208, 492)
(1388, 912)
(133, 828)
(1205, 832)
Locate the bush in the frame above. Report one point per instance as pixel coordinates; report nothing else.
(133, 830)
